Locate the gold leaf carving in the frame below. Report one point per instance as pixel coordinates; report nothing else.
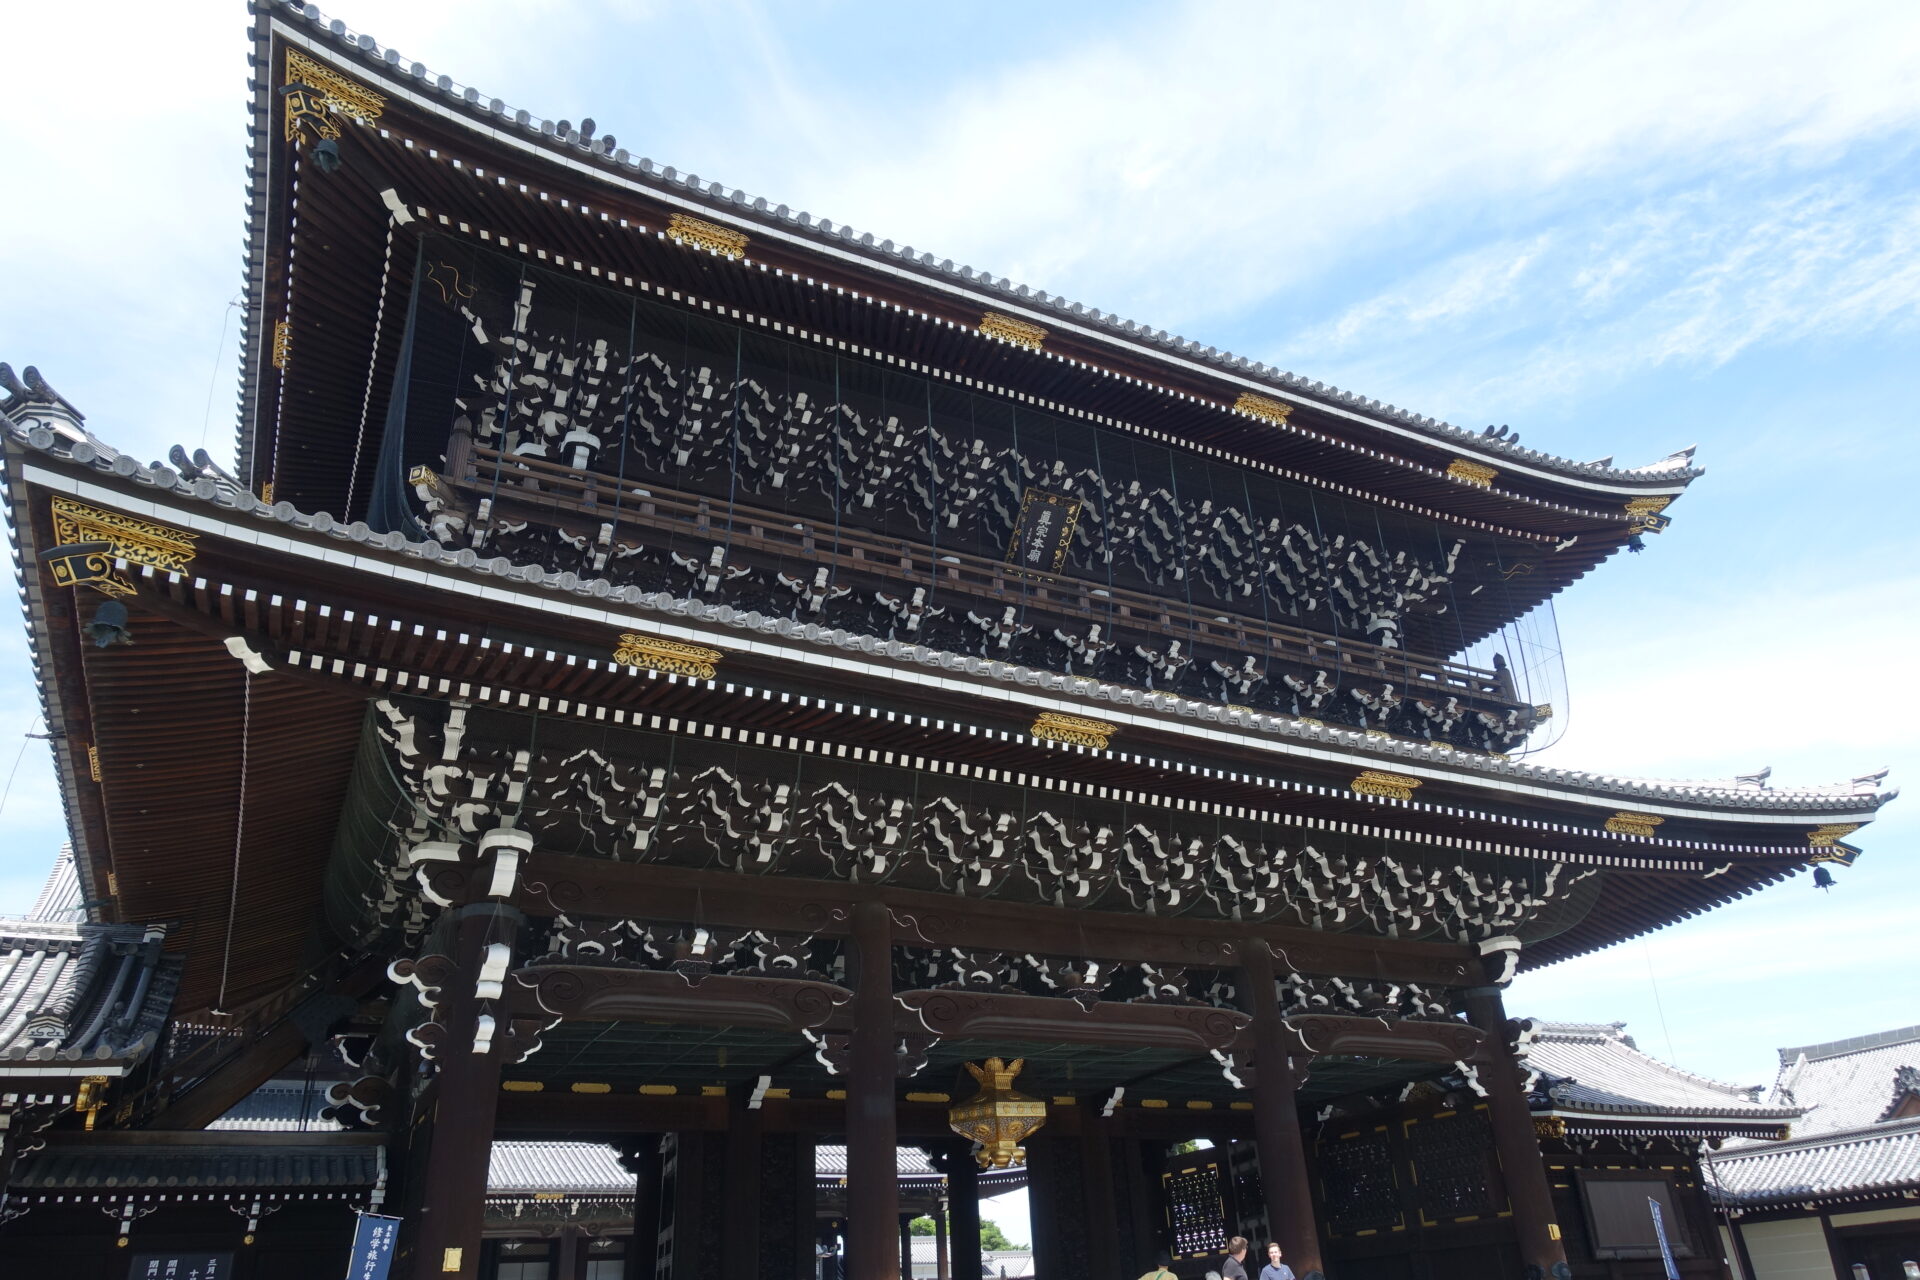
(707, 235)
(1393, 786)
(1471, 472)
(670, 656)
(1633, 824)
(1019, 332)
(1077, 731)
(136, 541)
(1262, 407)
(331, 90)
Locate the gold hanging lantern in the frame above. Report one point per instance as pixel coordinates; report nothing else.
(999, 1117)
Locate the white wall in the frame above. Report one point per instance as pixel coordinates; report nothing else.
(1795, 1249)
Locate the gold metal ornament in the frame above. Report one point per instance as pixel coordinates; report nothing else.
(1391, 786)
(1020, 333)
(1633, 824)
(1471, 472)
(711, 236)
(1263, 407)
(91, 540)
(670, 656)
(998, 1118)
(316, 92)
(1076, 731)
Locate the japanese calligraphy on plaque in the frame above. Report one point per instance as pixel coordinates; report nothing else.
(1043, 533)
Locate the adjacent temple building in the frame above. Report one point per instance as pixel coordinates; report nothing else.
(673, 672)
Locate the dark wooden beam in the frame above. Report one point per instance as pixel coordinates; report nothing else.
(552, 884)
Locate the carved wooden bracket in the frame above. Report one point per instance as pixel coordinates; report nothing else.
(993, 1015)
(570, 991)
(1329, 1034)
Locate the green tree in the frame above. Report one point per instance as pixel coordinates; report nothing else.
(991, 1236)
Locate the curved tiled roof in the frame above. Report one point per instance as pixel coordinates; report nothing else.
(581, 1168)
(1847, 1084)
(732, 204)
(109, 1164)
(1873, 1161)
(82, 995)
(60, 897)
(1597, 1068)
(1855, 800)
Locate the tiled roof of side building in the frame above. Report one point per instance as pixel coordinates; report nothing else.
(1878, 1160)
(1845, 1084)
(577, 1168)
(1854, 802)
(60, 898)
(733, 205)
(1596, 1068)
(95, 996)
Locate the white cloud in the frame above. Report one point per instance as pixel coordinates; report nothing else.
(1691, 279)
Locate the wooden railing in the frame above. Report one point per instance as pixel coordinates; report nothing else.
(532, 482)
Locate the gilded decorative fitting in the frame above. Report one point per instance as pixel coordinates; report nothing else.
(1646, 516)
(1633, 824)
(669, 656)
(266, 492)
(1262, 407)
(707, 235)
(1393, 786)
(92, 1098)
(1825, 837)
(138, 541)
(1471, 472)
(282, 343)
(316, 93)
(1549, 1127)
(1076, 731)
(1542, 712)
(1019, 332)
(93, 762)
(998, 1118)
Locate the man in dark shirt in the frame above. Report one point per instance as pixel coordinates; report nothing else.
(1275, 1269)
(1234, 1267)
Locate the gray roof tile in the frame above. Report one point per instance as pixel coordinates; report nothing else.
(1597, 1069)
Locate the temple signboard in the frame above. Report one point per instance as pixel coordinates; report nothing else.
(1043, 532)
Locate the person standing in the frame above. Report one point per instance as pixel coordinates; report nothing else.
(1160, 1271)
(1234, 1265)
(1275, 1269)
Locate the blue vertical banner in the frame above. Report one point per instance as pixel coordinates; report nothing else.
(373, 1241)
(1660, 1231)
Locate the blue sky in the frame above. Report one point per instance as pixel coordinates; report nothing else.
(1621, 229)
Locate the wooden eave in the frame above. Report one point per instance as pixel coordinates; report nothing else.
(167, 710)
(882, 307)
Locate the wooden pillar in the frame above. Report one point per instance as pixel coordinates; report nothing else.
(1284, 1181)
(873, 1190)
(453, 1197)
(963, 1207)
(1096, 1186)
(941, 1268)
(568, 1267)
(906, 1246)
(1521, 1164)
(642, 1159)
(740, 1254)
